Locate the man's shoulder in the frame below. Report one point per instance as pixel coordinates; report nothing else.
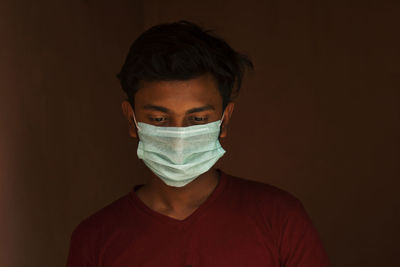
(104, 218)
(267, 202)
(262, 192)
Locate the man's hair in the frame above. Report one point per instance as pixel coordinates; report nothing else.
(181, 51)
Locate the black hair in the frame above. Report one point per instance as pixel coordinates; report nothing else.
(181, 51)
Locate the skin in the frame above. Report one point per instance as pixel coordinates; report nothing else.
(178, 104)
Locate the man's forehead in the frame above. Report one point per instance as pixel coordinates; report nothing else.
(206, 79)
(202, 89)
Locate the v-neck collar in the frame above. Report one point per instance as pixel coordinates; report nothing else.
(166, 219)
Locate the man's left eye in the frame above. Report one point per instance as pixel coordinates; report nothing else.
(198, 119)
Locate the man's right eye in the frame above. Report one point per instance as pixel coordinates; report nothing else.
(158, 119)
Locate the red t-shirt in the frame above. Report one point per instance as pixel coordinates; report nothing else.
(242, 223)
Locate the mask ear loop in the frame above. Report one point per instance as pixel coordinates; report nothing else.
(222, 119)
(134, 118)
(220, 123)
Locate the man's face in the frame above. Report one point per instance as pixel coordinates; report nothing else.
(178, 104)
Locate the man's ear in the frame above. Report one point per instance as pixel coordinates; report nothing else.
(128, 113)
(227, 116)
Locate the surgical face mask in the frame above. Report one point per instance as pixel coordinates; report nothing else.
(178, 155)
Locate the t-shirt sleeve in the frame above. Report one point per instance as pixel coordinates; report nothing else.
(300, 244)
(80, 250)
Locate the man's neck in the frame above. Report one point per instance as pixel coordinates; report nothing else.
(178, 202)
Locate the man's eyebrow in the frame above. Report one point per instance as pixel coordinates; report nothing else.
(158, 108)
(200, 109)
(190, 111)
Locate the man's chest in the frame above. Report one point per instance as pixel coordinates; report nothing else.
(220, 242)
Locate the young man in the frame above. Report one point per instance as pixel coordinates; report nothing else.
(180, 81)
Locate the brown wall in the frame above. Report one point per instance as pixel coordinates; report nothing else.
(319, 117)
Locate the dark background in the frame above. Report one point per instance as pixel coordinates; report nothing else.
(319, 117)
